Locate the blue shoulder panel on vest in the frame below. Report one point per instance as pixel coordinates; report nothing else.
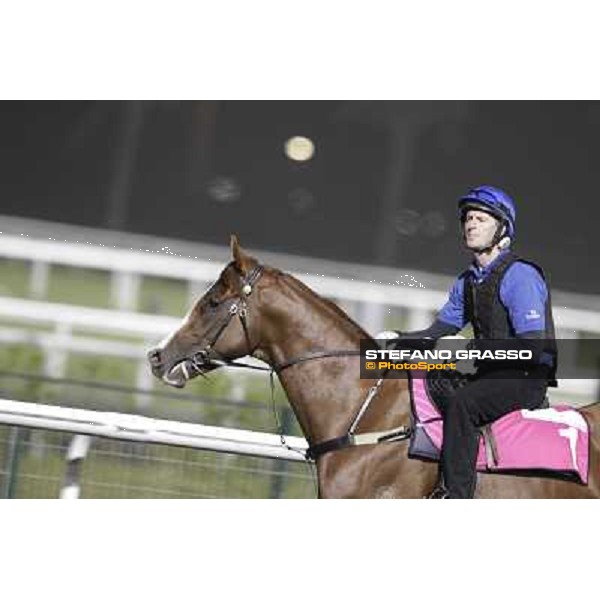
(524, 294)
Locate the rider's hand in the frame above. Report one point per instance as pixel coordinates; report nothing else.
(387, 335)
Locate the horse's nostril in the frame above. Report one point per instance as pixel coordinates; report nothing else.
(155, 358)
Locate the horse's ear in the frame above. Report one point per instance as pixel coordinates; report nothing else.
(241, 260)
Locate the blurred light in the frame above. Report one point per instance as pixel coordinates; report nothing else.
(224, 190)
(407, 222)
(299, 148)
(433, 224)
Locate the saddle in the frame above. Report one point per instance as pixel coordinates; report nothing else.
(547, 441)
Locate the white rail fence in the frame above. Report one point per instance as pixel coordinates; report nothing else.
(135, 428)
(127, 266)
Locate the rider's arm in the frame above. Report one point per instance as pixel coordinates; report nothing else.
(449, 321)
(425, 338)
(435, 331)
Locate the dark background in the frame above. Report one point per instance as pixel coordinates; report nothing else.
(381, 188)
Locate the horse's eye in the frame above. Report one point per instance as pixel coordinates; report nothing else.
(213, 302)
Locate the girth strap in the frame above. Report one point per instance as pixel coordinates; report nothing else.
(361, 439)
(337, 443)
(489, 442)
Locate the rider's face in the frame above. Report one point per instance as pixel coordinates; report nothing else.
(478, 229)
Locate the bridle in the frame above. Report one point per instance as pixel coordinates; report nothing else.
(210, 357)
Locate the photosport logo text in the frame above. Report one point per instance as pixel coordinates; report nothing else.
(375, 361)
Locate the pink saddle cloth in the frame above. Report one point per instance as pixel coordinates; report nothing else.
(550, 439)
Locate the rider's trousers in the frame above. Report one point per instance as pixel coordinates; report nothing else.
(487, 398)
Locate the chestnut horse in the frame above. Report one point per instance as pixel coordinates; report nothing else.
(313, 345)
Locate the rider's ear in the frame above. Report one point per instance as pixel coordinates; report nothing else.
(240, 259)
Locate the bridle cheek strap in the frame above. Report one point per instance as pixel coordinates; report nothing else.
(238, 307)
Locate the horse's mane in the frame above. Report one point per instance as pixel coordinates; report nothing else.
(324, 302)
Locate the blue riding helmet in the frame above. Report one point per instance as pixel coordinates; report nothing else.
(492, 200)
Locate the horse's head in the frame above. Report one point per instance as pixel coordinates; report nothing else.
(219, 326)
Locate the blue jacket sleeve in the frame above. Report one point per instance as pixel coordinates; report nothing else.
(524, 294)
(453, 312)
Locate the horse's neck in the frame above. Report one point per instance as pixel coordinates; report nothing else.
(298, 322)
(325, 393)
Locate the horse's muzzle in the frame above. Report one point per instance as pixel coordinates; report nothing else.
(172, 374)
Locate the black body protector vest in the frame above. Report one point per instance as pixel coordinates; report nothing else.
(489, 317)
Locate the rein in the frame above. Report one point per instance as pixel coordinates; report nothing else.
(193, 366)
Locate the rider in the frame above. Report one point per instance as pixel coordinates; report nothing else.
(507, 300)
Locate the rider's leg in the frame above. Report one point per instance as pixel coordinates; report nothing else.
(484, 400)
